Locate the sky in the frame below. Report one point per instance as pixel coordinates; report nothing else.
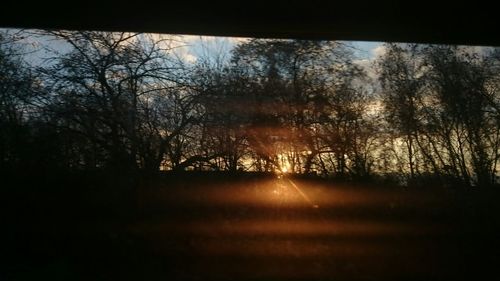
(197, 45)
(365, 49)
(189, 47)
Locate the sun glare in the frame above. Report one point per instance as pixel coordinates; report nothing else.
(284, 166)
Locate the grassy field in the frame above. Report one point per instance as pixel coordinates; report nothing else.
(245, 227)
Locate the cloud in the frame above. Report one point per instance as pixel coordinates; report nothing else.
(238, 40)
(367, 66)
(190, 48)
(367, 53)
(213, 39)
(189, 58)
(378, 51)
(476, 50)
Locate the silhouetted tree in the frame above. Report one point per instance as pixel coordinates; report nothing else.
(111, 89)
(296, 84)
(18, 94)
(127, 102)
(459, 80)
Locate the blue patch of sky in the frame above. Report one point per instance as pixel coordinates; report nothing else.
(200, 46)
(364, 49)
(197, 46)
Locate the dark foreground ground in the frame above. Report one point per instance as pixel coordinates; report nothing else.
(248, 228)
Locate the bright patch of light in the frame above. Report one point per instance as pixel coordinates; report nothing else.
(284, 165)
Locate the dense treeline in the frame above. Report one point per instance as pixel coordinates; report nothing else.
(126, 102)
